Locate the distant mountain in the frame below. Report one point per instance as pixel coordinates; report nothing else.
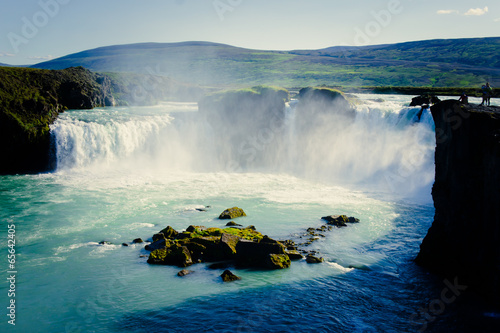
(436, 63)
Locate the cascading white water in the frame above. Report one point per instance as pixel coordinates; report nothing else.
(383, 148)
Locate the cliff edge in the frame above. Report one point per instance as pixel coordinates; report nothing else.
(30, 100)
(464, 240)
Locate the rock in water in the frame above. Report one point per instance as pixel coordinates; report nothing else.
(175, 254)
(184, 272)
(267, 253)
(339, 220)
(160, 243)
(233, 224)
(228, 276)
(294, 255)
(137, 241)
(310, 259)
(232, 213)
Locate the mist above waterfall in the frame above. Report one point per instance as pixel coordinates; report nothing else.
(379, 145)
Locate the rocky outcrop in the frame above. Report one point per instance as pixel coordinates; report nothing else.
(463, 241)
(244, 247)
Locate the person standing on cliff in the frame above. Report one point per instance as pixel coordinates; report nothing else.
(487, 92)
(464, 99)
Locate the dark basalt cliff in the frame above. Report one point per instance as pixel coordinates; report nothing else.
(464, 240)
(30, 100)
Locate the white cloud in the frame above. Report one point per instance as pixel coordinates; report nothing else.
(48, 57)
(447, 11)
(6, 54)
(477, 11)
(496, 20)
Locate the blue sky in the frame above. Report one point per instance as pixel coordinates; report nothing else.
(32, 31)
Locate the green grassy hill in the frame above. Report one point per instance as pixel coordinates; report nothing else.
(433, 63)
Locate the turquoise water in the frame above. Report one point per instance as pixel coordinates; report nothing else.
(125, 173)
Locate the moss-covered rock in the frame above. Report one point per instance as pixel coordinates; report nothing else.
(232, 213)
(159, 244)
(339, 220)
(169, 232)
(174, 254)
(247, 247)
(228, 244)
(311, 259)
(228, 276)
(278, 261)
(256, 253)
(294, 255)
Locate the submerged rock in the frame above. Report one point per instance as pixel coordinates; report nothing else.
(232, 213)
(228, 276)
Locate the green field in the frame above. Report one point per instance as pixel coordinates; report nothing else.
(434, 63)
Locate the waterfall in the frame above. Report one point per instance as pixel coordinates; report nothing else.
(383, 147)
